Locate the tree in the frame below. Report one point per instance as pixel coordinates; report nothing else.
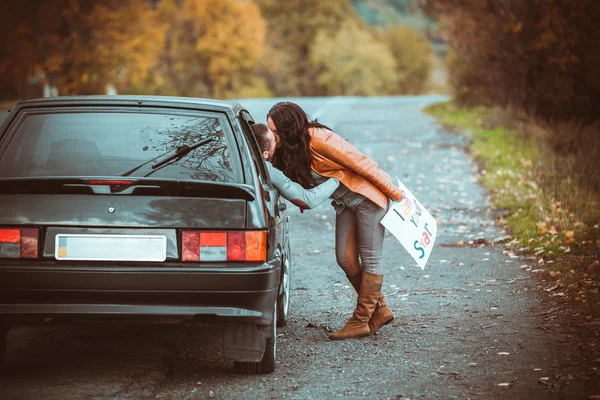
(345, 71)
(413, 55)
(539, 56)
(211, 46)
(293, 26)
(77, 45)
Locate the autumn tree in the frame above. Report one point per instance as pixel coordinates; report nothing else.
(293, 26)
(79, 46)
(413, 58)
(539, 56)
(211, 46)
(344, 71)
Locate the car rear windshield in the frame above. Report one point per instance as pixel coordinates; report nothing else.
(109, 143)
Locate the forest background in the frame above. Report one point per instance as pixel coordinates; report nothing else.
(216, 48)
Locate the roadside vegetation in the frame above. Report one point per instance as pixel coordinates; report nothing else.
(526, 92)
(549, 205)
(210, 48)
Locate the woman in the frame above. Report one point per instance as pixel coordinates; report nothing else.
(309, 153)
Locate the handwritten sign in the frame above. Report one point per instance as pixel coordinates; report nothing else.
(413, 226)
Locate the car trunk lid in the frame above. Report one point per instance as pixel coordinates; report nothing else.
(141, 213)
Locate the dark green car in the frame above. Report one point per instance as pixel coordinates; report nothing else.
(150, 208)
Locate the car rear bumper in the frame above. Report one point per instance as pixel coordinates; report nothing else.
(215, 293)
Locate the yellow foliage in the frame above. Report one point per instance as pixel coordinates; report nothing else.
(413, 55)
(211, 44)
(346, 71)
(80, 46)
(256, 88)
(130, 39)
(293, 27)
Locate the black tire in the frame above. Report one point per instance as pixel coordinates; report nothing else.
(267, 364)
(283, 301)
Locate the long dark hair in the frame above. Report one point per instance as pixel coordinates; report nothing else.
(293, 156)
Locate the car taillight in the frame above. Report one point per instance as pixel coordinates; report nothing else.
(19, 242)
(224, 246)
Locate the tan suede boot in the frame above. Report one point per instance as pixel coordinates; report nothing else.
(382, 314)
(381, 317)
(358, 325)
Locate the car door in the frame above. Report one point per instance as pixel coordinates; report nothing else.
(276, 205)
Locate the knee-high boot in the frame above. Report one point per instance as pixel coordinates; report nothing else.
(382, 314)
(358, 325)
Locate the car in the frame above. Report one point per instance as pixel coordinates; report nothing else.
(142, 208)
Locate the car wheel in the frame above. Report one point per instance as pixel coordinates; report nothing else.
(284, 298)
(267, 364)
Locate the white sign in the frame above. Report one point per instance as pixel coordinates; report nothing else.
(413, 226)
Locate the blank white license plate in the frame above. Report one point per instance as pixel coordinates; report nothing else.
(111, 247)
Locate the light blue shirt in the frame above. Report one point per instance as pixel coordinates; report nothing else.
(294, 192)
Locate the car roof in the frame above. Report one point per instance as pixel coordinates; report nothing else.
(127, 101)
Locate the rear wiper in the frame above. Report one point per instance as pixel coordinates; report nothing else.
(165, 158)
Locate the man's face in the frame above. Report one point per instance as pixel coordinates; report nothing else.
(273, 129)
(268, 154)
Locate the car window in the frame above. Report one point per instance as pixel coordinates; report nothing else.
(259, 162)
(107, 143)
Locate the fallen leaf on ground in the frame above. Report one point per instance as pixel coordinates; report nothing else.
(569, 234)
(545, 381)
(543, 227)
(551, 288)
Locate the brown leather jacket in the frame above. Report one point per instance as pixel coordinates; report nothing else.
(334, 157)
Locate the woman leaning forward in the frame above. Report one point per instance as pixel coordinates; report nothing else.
(309, 153)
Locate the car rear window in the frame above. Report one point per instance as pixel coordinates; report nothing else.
(109, 143)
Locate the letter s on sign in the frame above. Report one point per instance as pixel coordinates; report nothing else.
(418, 248)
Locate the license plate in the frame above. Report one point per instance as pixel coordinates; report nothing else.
(111, 247)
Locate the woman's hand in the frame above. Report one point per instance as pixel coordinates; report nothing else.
(397, 194)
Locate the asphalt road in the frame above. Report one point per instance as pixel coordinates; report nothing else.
(473, 324)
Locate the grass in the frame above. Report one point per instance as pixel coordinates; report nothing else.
(551, 209)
